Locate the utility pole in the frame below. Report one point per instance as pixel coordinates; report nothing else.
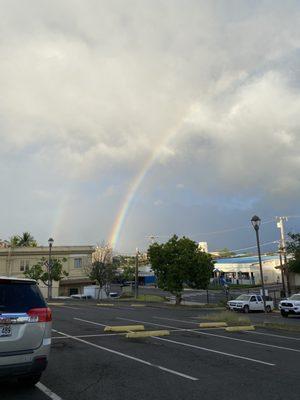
(136, 280)
(282, 273)
(280, 225)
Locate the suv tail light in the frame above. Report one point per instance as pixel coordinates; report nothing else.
(40, 314)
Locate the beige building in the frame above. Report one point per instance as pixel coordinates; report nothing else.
(14, 262)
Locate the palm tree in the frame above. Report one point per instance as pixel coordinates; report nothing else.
(26, 240)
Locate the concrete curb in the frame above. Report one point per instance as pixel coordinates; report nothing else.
(124, 328)
(133, 335)
(213, 324)
(240, 328)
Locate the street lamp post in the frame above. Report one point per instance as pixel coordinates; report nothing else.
(255, 221)
(50, 242)
(136, 274)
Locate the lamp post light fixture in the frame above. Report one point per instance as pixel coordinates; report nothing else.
(255, 221)
(50, 243)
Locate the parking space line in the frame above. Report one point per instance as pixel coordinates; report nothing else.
(72, 308)
(214, 351)
(87, 336)
(47, 391)
(151, 323)
(90, 322)
(177, 320)
(197, 331)
(188, 322)
(272, 334)
(171, 371)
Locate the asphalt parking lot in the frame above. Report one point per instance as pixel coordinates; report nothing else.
(87, 363)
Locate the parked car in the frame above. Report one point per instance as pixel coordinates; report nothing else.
(81, 296)
(291, 305)
(25, 330)
(250, 302)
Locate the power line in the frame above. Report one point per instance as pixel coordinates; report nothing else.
(219, 231)
(253, 247)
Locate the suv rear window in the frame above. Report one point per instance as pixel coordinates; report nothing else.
(19, 296)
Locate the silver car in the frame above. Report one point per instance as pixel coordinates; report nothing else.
(25, 330)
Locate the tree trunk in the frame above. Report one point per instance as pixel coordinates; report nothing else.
(100, 292)
(178, 299)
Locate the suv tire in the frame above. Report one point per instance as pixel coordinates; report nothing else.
(284, 314)
(29, 380)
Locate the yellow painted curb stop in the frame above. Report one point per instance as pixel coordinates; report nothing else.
(212, 324)
(124, 328)
(133, 335)
(240, 328)
(105, 304)
(56, 304)
(137, 305)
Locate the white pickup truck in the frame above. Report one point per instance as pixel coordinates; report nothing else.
(250, 302)
(291, 305)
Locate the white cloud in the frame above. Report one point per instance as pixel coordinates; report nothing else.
(90, 89)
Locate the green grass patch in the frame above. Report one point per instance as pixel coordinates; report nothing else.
(231, 287)
(231, 318)
(279, 326)
(151, 298)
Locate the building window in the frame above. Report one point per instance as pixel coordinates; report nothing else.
(77, 262)
(24, 265)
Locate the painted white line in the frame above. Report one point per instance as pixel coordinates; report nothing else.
(72, 308)
(248, 341)
(214, 351)
(150, 323)
(195, 331)
(89, 322)
(222, 336)
(171, 371)
(271, 334)
(47, 391)
(177, 320)
(87, 336)
(189, 322)
(109, 334)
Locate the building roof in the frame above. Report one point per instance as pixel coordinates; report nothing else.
(44, 250)
(245, 260)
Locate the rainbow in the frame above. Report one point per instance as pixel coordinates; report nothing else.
(135, 184)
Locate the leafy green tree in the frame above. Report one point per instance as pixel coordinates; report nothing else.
(125, 264)
(178, 262)
(39, 271)
(103, 273)
(25, 240)
(293, 248)
(128, 273)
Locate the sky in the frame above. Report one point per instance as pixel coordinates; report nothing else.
(125, 119)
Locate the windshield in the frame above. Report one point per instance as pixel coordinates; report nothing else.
(20, 297)
(295, 297)
(243, 297)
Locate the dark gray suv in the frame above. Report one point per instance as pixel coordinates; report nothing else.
(25, 330)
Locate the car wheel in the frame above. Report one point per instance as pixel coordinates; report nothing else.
(29, 380)
(268, 309)
(246, 309)
(284, 314)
